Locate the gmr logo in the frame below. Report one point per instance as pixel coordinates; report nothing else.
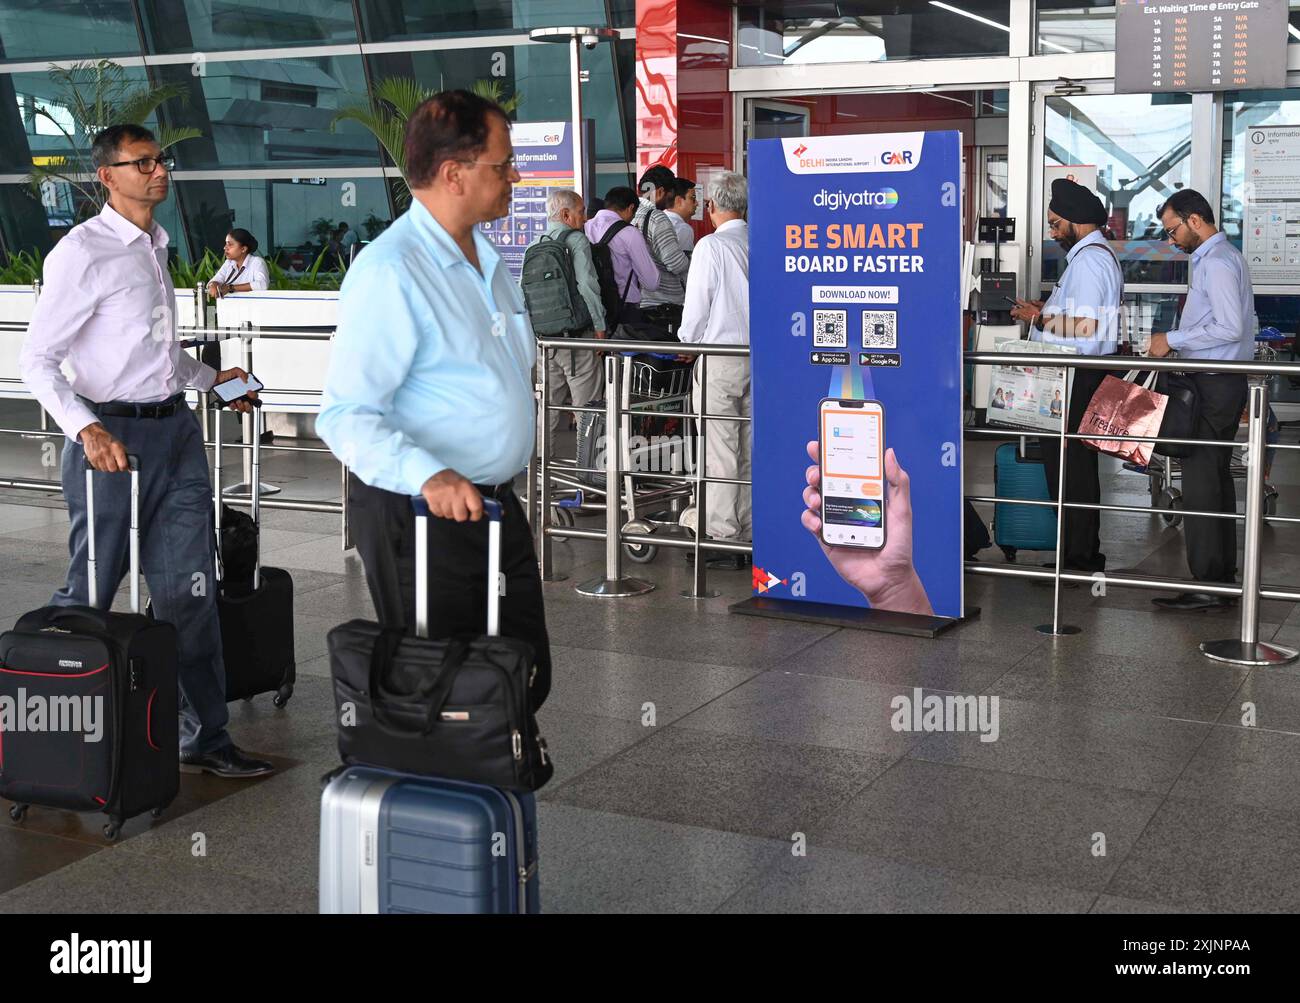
(800, 150)
(903, 157)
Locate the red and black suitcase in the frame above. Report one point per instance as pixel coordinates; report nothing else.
(88, 702)
(256, 611)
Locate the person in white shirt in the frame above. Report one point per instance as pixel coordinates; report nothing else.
(242, 271)
(682, 211)
(716, 312)
(108, 310)
(347, 243)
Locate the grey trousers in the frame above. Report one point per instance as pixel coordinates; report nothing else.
(176, 554)
(574, 377)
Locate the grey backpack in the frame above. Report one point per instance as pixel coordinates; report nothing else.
(550, 287)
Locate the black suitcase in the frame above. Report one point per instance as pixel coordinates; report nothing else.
(108, 735)
(257, 611)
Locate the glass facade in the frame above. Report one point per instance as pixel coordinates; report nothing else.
(1084, 26)
(1138, 147)
(258, 82)
(910, 29)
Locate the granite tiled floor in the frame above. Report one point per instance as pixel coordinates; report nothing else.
(707, 761)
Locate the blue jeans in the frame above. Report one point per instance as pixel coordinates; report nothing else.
(177, 543)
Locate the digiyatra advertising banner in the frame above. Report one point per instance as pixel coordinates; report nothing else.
(855, 268)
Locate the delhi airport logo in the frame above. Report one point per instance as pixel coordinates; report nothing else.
(764, 580)
(800, 150)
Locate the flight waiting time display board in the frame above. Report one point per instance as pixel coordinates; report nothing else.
(1199, 46)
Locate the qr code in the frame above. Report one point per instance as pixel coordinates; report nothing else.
(879, 329)
(830, 328)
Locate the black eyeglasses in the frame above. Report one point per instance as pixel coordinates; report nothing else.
(147, 165)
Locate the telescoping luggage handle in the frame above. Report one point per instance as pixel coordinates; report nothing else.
(492, 509)
(256, 493)
(133, 462)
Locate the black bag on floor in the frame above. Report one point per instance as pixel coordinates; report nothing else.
(107, 735)
(255, 603)
(459, 708)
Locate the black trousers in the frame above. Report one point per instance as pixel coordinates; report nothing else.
(1081, 534)
(1207, 484)
(383, 527)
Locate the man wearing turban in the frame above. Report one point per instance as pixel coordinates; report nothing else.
(1082, 313)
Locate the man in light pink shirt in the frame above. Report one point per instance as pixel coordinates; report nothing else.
(107, 309)
(634, 268)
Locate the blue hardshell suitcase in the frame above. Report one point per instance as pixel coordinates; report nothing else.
(395, 843)
(1021, 527)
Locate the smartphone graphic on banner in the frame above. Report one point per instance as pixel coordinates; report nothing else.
(853, 473)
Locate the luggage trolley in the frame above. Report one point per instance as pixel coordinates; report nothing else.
(656, 402)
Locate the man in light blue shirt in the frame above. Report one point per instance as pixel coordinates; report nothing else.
(430, 385)
(1082, 312)
(1217, 322)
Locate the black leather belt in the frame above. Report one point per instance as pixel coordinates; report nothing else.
(126, 409)
(497, 491)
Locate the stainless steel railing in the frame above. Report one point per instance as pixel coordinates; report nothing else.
(614, 583)
(1246, 648)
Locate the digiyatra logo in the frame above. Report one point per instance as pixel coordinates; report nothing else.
(885, 198)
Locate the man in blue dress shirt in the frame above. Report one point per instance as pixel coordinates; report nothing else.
(1082, 313)
(1216, 323)
(430, 385)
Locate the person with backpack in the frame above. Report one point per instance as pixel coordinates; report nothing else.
(562, 290)
(622, 259)
(662, 308)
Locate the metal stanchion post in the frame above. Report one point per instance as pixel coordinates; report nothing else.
(1248, 649)
(250, 429)
(347, 527)
(201, 322)
(613, 584)
(545, 553)
(1056, 628)
(699, 573)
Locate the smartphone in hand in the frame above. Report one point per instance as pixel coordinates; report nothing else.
(852, 434)
(235, 389)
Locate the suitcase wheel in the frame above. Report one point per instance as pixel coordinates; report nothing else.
(112, 830)
(18, 812)
(156, 812)
(640, 553)
(1010, 554)
(282, 695)
(1171, 498)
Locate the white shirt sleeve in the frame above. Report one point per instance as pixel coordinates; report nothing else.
(700, 292)
(256, 274)
(223, 273)
(66, 302)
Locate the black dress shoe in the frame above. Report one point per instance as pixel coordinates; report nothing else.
(228, 762)
(1191, 601)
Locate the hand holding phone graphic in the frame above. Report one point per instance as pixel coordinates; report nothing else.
(859, 507)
